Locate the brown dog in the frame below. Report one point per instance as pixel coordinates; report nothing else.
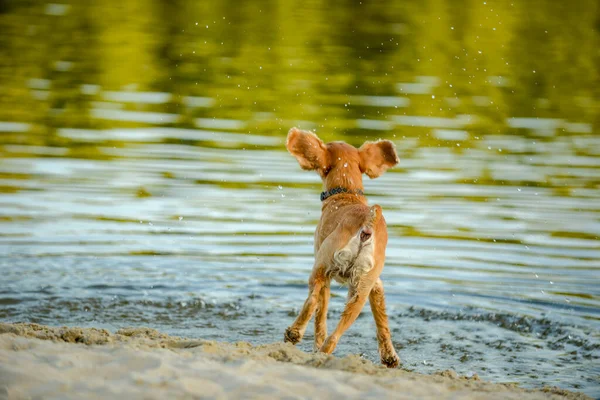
(350, 239)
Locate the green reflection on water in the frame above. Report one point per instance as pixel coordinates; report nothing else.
(271, 64)
(351, 71)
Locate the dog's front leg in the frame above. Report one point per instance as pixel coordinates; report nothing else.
(355, 304)
(294, 333)
(321, 316)
(388, 355)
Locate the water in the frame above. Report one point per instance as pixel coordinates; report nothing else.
(144, 179)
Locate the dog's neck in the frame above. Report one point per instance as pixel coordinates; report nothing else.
(345, 182)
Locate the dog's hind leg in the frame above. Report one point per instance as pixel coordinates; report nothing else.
(388, 355)
(353, 307)
(321, 316)
(317, 281)
(294, 333)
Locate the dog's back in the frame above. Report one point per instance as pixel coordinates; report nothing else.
(357, 230)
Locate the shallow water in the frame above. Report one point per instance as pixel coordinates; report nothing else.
(172, 203)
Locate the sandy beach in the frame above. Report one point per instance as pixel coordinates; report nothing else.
(38, 361)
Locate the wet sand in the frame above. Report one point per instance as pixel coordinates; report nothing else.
(63, 362)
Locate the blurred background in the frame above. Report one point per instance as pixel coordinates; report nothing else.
(144, 178)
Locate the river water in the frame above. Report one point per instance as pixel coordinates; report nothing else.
(140, 187)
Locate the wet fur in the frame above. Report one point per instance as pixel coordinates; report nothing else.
(350, 239)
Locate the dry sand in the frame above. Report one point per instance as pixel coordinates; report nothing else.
(44, 362)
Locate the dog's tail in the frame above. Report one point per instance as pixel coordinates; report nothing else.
(372, 219)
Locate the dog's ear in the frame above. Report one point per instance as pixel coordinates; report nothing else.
(376, 157)
(309, 150)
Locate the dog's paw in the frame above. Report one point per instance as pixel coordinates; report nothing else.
(390, 360)
(291, 336)
(329, 345)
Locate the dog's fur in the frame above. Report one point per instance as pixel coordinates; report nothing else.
(350, 239)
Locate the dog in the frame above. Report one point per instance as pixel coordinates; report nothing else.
(350, 239)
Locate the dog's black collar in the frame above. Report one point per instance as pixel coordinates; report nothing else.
(328, 193)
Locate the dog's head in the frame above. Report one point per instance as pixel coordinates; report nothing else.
(338, 163)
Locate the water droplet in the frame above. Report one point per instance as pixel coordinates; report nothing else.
(345, 165)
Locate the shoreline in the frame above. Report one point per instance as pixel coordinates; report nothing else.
(73, 362)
